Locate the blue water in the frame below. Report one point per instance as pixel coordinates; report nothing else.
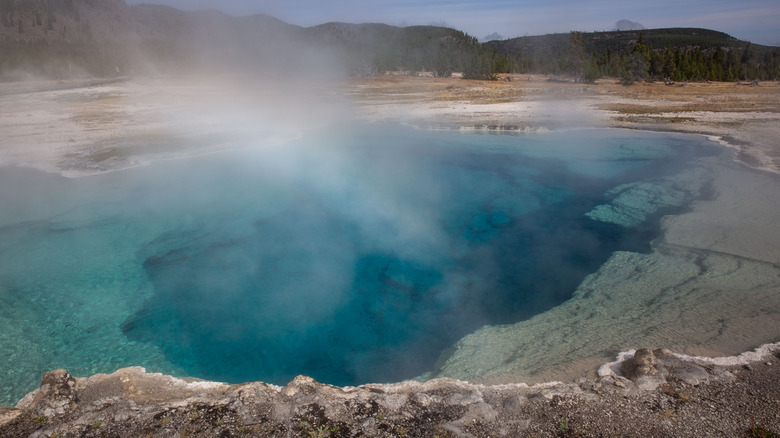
(353, 255)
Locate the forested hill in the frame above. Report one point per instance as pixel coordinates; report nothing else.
(674, 54)
(379, 48)
(63, 38)
(66, 38)
(617, 41)
(69, 38)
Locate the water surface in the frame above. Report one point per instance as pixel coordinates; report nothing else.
(353, 255)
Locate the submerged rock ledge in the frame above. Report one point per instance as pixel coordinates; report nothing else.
(643, 393)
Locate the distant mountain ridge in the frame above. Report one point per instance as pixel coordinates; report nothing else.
(54, 38)
(63, 38)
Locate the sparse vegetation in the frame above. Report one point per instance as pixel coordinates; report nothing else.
(762, 432)
(563, 424)
(667, 414)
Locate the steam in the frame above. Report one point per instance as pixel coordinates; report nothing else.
(285, 238)
(270, 235)
(357, 253)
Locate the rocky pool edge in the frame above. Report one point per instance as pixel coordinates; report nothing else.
(656, 390)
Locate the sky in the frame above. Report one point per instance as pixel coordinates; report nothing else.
(757, 21)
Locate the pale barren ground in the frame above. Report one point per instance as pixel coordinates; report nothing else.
(746, 116)
(90, 126)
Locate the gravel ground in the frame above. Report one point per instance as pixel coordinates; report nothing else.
(653, 394)
(743, 407)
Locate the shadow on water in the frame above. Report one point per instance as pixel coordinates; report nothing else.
(386, 251)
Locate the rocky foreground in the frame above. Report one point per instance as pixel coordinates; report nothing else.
(649, 394)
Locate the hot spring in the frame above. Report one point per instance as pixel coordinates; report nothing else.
(349, 255)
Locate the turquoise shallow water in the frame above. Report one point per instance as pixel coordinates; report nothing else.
(355, 255)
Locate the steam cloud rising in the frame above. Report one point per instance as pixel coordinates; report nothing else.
(360, 253)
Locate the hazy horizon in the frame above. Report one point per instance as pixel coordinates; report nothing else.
(751, 20)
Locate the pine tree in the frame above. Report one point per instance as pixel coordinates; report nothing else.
(634, 69)
(50, 20)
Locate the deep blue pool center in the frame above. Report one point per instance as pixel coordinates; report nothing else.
(383, 248)
(352, 255)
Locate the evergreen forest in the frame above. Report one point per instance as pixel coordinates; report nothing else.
(61, 38)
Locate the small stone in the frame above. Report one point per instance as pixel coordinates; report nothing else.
(620, 384)
(642, 364)
(748, 367)
(422, 399)
(516, 402)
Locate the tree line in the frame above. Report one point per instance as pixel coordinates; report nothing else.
(376, 48)
(672, 55)
(54, 38)
(685, 56)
